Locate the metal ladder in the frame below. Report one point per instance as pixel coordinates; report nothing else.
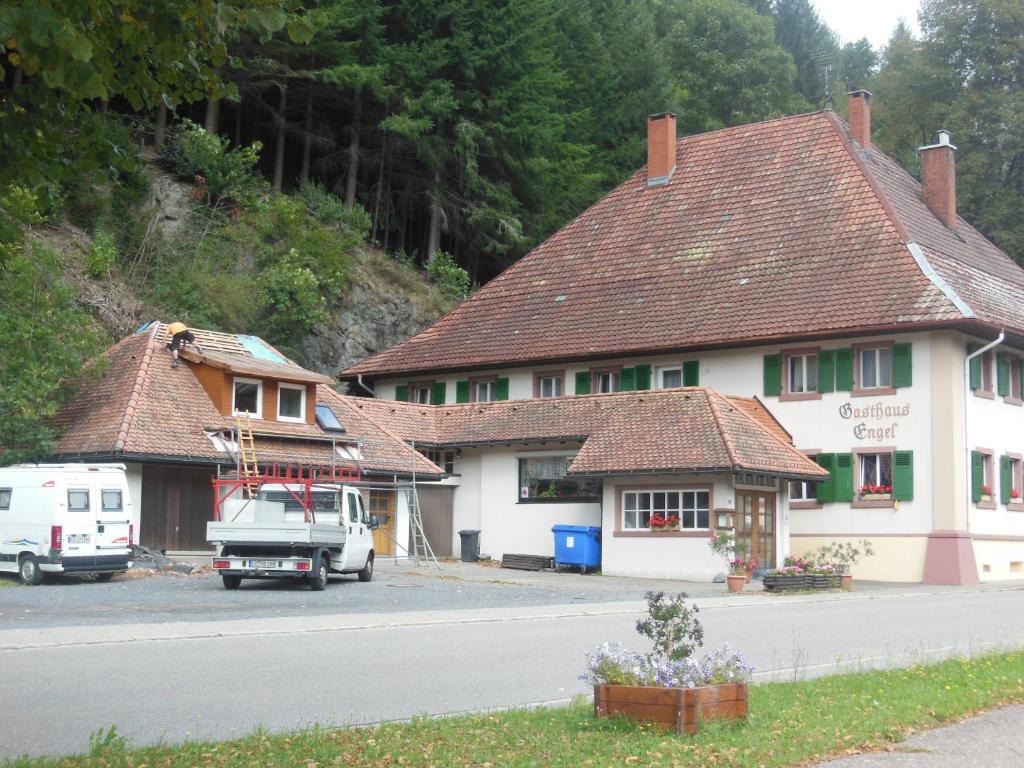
(421, 549)
(247, 454)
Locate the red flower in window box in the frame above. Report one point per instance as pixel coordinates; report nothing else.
(869, 489)
(986, 490)
(1014, 493)
(657, 521)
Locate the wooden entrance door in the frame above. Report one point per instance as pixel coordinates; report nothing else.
(755, 525)
(382, 504)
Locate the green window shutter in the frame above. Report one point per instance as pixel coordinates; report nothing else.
(462, 391)
(691, 373)
(844, 477)
(1002, 374)
(975, 368)
(772, 375)
(844, 369)
(501, 389)
(582, 382)
(643, 376)
(977, 475)
(627, 380)
(437, 393)
(826, 370)
(402, 393)
(903, 475)
(902, 369)
(827, 487)
(1005, 478)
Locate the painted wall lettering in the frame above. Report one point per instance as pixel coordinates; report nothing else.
(875, 421)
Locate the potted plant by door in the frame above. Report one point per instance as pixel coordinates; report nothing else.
(731, 552)
(737, 574)
(669, 687)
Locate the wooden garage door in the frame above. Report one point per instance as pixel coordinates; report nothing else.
(177, 502)
(436, 508)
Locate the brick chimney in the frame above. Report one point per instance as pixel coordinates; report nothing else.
(661, 148)
(860, 117)
(938, 179)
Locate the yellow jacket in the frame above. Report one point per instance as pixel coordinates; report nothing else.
(175, 328)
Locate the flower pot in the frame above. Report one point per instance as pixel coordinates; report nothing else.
(736, 582)
(876, 497)
(846, 581)
(676, 709)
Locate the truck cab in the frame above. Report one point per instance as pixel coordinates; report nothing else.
(287, 531)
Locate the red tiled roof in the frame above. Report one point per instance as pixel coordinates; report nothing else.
(690, 429)
(141, 407)
(247, 365)
(757, 410)
(765, 231)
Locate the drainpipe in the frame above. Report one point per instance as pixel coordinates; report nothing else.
(366, 388)
(967, 425)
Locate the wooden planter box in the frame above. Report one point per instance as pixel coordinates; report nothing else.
(785, 582)
(676, 709)
(823, 580)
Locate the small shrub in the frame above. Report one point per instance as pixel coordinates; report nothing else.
(452, 279)
(292, 296)
(228, 173)
(671, 625)
(102, 255)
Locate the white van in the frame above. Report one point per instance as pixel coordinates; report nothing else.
(65, 518)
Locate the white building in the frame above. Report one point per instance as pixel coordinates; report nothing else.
(790, 260)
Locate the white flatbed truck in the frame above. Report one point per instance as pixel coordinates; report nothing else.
(287, 531)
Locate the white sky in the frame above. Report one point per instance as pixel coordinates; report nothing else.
(873, 19)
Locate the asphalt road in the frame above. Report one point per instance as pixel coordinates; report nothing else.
(212, 680)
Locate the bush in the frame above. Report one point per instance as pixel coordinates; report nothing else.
(452, 279)
(330, 209)
(102, 255)
(228, 173)
(292, 297)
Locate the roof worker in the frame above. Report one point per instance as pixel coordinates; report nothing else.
(180, 335)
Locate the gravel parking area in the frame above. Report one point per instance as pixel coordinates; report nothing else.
(144, 596)
(147, 596)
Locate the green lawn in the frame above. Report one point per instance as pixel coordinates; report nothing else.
(790, 724)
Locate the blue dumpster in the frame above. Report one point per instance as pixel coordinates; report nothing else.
(577, 545)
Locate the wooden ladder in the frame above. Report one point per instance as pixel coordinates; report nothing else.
(247, 451)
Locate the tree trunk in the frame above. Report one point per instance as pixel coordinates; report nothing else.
(279, 149)
(434, 238)
(212, 115)
(307, 139)
(160, 138)
(238, 122)
(353, 156)
(380, 189)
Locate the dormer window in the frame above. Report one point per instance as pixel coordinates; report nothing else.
(247, 397)
(291, 402)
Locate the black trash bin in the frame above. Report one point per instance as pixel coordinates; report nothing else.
(470, 546)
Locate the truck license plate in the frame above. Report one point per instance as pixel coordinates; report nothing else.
(264, 563)
(78, 538)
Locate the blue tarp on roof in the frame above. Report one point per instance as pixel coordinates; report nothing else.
(255, 346)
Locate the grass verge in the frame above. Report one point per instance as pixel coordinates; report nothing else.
(790, 724)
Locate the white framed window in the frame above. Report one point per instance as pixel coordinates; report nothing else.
(670, 376)
(801, 373)
(692, 509)
(604, 382)
(875, 474)
(545, 479)
(802, 490)
(485, 391)
(420, 393)
(291, 402)
(247, 397)
(875, 367)
(548, 385)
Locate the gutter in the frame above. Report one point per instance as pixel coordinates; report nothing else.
(967, 422)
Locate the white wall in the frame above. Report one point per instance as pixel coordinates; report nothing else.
(488, 500)
(133, 473)
(661, 556)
